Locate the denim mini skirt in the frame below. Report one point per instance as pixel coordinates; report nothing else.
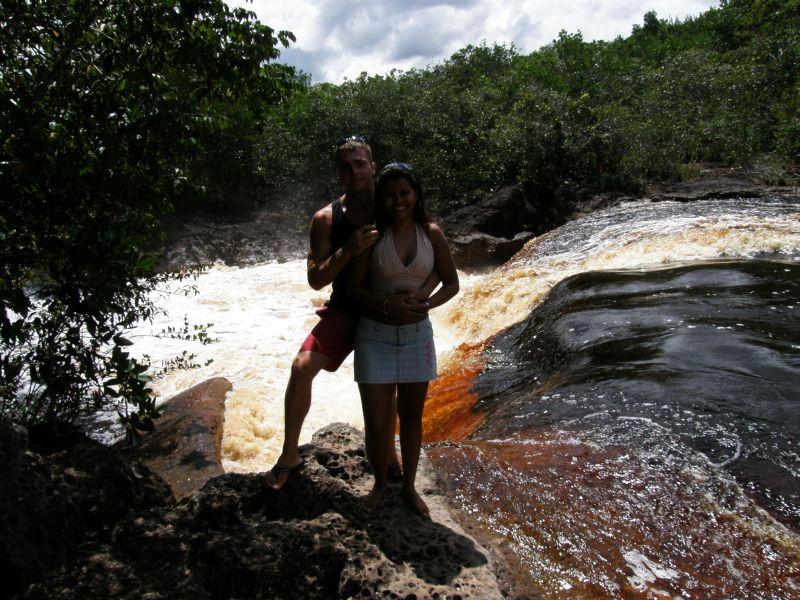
(394, 353)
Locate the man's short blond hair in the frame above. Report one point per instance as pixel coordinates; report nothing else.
(349, 144)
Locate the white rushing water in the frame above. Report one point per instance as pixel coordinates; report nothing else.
(261, 314)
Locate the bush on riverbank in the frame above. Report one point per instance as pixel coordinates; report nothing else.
(112, 113)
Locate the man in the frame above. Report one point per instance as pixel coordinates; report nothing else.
(339, 232)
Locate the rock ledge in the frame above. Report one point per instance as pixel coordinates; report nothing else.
(236, 538)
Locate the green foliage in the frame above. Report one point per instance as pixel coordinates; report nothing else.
(721, 87)
(185, 361)
(111, 113)
(189, 332)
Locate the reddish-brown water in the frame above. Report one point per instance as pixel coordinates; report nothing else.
(637, 436)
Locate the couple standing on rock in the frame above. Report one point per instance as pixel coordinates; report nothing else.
(384, 257)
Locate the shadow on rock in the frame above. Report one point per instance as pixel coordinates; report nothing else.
(236, 537)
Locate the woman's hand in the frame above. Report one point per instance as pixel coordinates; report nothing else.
(418, 295)
(404, 307)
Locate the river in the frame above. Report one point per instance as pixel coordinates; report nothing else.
(617, 405)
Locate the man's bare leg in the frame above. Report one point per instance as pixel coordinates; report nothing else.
(297, 401)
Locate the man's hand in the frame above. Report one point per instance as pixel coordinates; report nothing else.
(361, 239)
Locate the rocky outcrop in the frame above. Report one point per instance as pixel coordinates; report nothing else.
(277, 233)
(491, 231)
(715, 182)
(185, 447)
(238, 538)
(50, 505)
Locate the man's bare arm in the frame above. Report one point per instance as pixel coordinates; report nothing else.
(323, 264)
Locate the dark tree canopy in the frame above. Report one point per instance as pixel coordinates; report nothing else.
(722, 87)
(107, 108)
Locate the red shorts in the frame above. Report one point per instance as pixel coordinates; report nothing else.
(334, 336)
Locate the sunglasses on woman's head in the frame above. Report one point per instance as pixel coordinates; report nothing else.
(396, 166)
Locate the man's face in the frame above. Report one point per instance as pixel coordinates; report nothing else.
(356, 170)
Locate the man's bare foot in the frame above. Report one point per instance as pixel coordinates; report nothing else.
(371, 501)
(279, 474)
(416, 503)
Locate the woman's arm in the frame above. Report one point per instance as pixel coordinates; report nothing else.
(444, 266)
(431, 283)
(423, 292)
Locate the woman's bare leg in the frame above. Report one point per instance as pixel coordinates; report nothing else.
(410, 402)
(376, 402)
(394, 469)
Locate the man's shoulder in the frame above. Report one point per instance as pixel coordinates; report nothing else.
(324, 216)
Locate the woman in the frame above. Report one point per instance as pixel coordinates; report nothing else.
(394, 344)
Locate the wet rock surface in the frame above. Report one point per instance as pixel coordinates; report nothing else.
(185, 447)
(716, 182)
(491, 231)
(494, 229)
(236, 538)
(278, 233)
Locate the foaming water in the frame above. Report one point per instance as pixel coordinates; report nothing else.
(634, 235)
(260, 316)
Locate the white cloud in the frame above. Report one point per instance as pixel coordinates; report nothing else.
(338, 39)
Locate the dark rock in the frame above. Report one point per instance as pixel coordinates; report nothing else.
(491, 231)
(185, 447)
(238, 538)
(279, 232)
(483, 250)
(494, 229)
(13, 444)
(504, 213)
(49, 506)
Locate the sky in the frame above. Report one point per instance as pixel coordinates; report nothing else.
(339, 39)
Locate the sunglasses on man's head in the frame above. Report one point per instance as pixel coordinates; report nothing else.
(351, 138)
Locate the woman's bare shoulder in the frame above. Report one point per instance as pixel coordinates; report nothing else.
(435, 232)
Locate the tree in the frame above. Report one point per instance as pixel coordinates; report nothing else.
(104, 106)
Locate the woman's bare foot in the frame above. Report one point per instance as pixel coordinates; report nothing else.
(394, 472)
(371, 501)
(416, 503)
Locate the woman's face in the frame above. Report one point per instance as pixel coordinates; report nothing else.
(399, 199)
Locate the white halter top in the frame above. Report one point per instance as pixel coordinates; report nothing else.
(386, 270)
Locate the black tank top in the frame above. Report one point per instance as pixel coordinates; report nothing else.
(341, 231)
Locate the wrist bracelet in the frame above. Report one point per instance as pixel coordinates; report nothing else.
(386, 305)
(427, 305)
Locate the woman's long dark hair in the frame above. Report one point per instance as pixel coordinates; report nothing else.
(388, 174)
